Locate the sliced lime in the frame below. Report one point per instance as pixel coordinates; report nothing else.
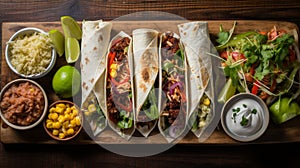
(227, 91)
(72, 49)
(58, 41)
(70, 27)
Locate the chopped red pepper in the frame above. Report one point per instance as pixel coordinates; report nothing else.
(111, 57)
(255, 88)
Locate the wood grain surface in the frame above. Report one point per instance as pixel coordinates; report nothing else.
(273, 154)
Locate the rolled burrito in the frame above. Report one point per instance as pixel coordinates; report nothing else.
(94, 43)
(145, 58)
(119, 86)
(204, 110)
(173, 98)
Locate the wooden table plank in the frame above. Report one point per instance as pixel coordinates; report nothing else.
(287, 132)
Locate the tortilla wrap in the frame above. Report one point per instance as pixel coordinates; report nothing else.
(145, 58)
(173, 78)
(94, 43)
(112, 88)
(202, 79)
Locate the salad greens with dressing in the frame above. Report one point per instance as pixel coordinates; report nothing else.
(262, 63)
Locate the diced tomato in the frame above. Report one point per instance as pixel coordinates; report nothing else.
(224, 55)
(272, 34)
(237, 56)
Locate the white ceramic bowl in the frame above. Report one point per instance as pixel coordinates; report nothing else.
(22, 32)
(245, 117)
(39, 119)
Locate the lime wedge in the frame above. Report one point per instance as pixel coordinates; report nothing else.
(70, 27)
(227, 91)
(72, 49)
(58, 41)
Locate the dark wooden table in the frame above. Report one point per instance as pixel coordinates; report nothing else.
(199, 155)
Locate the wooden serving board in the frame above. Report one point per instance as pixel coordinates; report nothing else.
(286, 132)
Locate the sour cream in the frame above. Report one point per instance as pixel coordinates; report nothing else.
(245, 117)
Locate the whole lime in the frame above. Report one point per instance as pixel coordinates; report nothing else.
(66, 81)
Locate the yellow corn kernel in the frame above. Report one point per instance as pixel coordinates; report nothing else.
(48, 121)
(75, 112)
(67, 117)
(68, 110)
(63, 130)
(87, 113)
(61, 135)
(54, 116)
(77, 120)
(70, 131)
(50, 115)
(52, 110)
(56, 125)
(92, 108)
(114, 66)
(73, 122)
(61, 105)
(206, 102)
(49, 125)
(66, 124)
(59, 110)
(113, 73)
(55, 132)
(61, 118)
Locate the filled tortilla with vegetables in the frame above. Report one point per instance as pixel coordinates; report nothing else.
(204, 110)
(94, 43)
(173, 98)
(145, 58)
(120, 95)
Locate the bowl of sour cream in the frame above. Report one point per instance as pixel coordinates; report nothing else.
(245, 117)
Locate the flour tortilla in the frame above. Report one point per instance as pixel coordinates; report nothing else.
(128, 132)
(94, 43)
(202, 78)
(145, 58)
(162, 97)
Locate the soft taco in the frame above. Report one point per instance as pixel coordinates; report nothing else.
(173, 98)
(204, 110)
(145, 58)
(94, 43)
(119, 86)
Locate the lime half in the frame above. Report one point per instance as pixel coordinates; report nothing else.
(66, 81)
(58, 40)
(227, 91)
(70, 27)
(72, 49)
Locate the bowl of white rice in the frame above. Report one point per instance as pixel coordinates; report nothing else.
(30, 53)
